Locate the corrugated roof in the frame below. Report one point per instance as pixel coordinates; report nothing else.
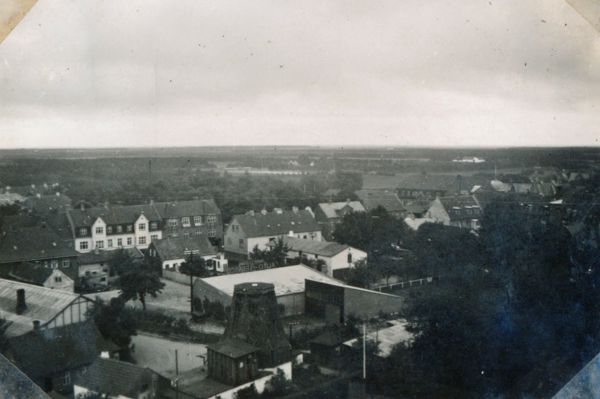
(286, 280)
(33, 243)
(180, 247)
(274, 223)
(322, 248)
(332, 209)
(42, 304)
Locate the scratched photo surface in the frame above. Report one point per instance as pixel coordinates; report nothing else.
(276, 199)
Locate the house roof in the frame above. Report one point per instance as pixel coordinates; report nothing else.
(42, 304)
(49, 351)
(33, 243)
(274, 223)
(458, 206)
(47, 203)
(371, 199)
(180, 209)
(387, 337)
(180, 247)
(433, 182)
(286, 280)
(233, 348)
(98, 256)
(16, 384)
(115, 378)
(123, 214)
(321, 248)
(33, 273)
(333, 209)
(10, 198)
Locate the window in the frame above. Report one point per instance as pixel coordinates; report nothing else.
(57, 279)
(119, 242)
(109, 243)
(211, 219)
(241, 243)
(99, 230)
(100, 244)
(349, 257)
(153, 226)
(66, 380)
(109, 230)
(66, 263)
(212, 233)
(83, 231)
(83, 245)
(129, 241)
(142, 240)
(154, 237)
(54, 264)
(129, 228)
(103, 279)
(172, 222)
(198, 220)
(185, 221)
(142, 226)
(119, 229)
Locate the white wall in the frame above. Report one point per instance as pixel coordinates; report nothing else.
(259, 383)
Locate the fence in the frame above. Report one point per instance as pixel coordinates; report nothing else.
(405, 284)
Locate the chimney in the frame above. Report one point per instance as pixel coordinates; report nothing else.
(58, 194)
(36, 325)
(81, 207)
(264, 211)
(21, 305)
(278, 211)
(295, 209)
(250, 212)
(151, 201)
(105, 204)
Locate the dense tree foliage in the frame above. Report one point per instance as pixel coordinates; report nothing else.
(275, 255)
(114, 322)
(509, 306)
(139, 281)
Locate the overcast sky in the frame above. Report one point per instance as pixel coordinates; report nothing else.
(337, 72)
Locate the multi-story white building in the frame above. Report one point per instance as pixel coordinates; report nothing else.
(107, 228)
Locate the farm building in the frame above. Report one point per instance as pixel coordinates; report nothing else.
(288, 282)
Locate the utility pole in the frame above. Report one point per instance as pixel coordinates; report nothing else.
(191, 270)
(176, 374)
(364, 352)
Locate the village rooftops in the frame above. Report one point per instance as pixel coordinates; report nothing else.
(278, 222)
(115, 378)
(461, 207)
(113, 215)
(44, 204)
(388, 200)
(335, 209)
(42, 304)
(321, 248)
(179, 247)
(32, 244)
(286, 280)
(179, 209)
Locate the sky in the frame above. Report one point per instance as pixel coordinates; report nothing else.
(153, 73)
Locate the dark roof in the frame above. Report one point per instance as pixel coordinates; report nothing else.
(125, 214)
(337, 209)
(180, 209)
(115, 378)
(33, 243)
(275, 223)
(417, 206)
(47, 203)
(54, 350)
(373, 199)
(180, 247)
(514, 179)
(458, 206)
(322, 248)
(233, 348)
(33, 273)
(435, 182)
(98, 256)
(15, 384)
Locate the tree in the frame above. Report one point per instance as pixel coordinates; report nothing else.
(278, 386)
(194, 266)
(121, 262)
(114, 321)
(138, 282)
(275, 255)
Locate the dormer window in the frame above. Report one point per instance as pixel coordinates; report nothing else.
(142, 226)
(185, 221)
(119, 229)
(109, 230)
(83, 231)
(99, 230)
(198, 220)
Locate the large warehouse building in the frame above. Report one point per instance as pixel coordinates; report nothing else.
(289, 283)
